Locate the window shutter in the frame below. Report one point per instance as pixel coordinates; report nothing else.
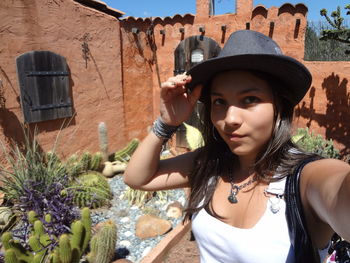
(44, 84)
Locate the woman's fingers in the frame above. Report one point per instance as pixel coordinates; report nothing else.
(195, 94)
(178, 80)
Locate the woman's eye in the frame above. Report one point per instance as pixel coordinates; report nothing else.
(251, 100)
(218, 102)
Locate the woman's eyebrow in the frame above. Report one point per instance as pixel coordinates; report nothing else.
(250, 90)
(216, 93)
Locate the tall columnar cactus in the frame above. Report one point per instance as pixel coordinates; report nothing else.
(124, 154)
(86, 221)
(65, 249)
(102, 135)
(103, 243)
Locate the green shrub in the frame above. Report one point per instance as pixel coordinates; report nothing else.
(315, 143)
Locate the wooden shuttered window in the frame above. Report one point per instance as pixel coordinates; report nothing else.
(44, 84)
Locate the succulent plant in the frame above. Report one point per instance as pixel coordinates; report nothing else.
(103, 243)
(124, 154)
(85, 161)
(91, 189)
(315, 143)
(103, 138)
(67, 248)
(96, 161)
(54, 200)
(137, 197)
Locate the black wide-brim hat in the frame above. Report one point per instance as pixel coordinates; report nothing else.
(253, 51)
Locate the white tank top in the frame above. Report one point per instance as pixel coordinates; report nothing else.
(268, 241)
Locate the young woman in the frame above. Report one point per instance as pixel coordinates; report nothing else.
(237, 180)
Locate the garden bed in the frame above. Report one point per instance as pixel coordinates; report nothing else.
(129, 246)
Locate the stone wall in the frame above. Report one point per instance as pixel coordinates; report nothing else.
(62, 26)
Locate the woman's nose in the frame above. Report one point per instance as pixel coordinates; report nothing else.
(233, 116)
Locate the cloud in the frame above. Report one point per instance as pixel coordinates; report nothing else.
(146, 13)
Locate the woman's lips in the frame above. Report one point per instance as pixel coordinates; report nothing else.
(235, 137)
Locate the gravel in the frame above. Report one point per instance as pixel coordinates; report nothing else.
(129, 246)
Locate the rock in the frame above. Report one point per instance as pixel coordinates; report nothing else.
(151, 226)
(5, 215)
(122, 260)
(124, 219)
(112, 168)
(128, 234)
(125, 243)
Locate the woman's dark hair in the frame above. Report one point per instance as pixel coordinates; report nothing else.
(277, 160)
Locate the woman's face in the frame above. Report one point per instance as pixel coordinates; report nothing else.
(242, 111)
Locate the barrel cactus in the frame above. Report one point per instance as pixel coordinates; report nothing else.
(103, 243)
(91, 189)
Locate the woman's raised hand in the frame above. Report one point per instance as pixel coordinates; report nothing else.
(176, 104)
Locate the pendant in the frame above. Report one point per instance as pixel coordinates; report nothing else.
(275, 208)
(232, 198)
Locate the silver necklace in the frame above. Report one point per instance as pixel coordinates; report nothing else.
(232, 198)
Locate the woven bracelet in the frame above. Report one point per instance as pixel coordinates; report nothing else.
(163, 130)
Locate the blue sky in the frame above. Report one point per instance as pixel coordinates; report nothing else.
(148, 8)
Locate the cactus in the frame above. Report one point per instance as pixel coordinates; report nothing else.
(10, 256)
(92, 190)
(37, 247)
(48, 218)
(96, 161)
(103, 243)
(86, 220)
(32, 217)
(85, 161)
(102, 135)
(137, 197)
(65, 249)
(78, 235)
(14, 250)
(73, 166)
(124, 154)
(69, 250)
(5, 239)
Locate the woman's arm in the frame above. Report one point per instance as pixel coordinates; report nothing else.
(145, 171)
(325, 188)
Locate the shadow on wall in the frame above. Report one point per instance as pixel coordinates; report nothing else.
(336, 120)
(11, 126)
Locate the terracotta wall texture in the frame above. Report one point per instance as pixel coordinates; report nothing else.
(130, 58)
(60, 26)
(325, 109)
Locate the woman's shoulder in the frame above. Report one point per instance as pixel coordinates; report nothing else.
(325, 167)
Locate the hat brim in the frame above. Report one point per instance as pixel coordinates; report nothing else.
(295, 77)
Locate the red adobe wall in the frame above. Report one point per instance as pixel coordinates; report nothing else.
(59, 26)
(285, 24)
(325, 109)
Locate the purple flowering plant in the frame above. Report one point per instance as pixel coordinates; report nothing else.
(35, 181)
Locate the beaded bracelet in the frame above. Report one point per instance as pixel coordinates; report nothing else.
(163, 130)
